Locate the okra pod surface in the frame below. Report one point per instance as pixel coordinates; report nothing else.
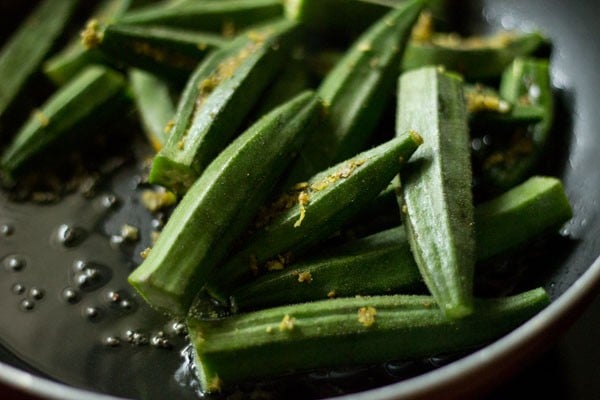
(95, 91)
(487, 109)
(223, 16)
(436, 201)
(317, 208)
(474, 58)
(382, 263)
(217, 98)
(25, 49)
(168, 52)
(74, 57)
(219, 206)
(356, 91)
(154, 104)
(346, 331)
(527, 81)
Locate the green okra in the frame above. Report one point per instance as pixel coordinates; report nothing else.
(321, 61)
(168, 52)
(336, 20)
(527, 81)
(26, 48)
(382, 213)
(220, 205)
(346, 331)
(375, 265)
(216, 100)
(293, 79)
(383, 263)
(475, 58)
(486, 107)
(89, 96)
(313, 212)
(436, 200)
(74, 57)
(356, 91)
(154, 105)
(535, 206)
(224, 16)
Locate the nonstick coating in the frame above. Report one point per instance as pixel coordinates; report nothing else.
(572, 275)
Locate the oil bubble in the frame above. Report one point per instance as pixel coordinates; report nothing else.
(116, 241)
(109, 201)
(70, 295)
(112, 341)
(476, 144)
(159, 340)
(27, 305)
(120, 300)
(126, 305)
(89, 276)
(36, 293)
(14, 262)
(78, 265)
(18, 288)
(179, 328)
(113, 297)
(159, 221)
(7, 230)
(70, 236)
(136, 338)
(92, 313)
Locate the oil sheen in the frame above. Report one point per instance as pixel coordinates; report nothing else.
(68, 311)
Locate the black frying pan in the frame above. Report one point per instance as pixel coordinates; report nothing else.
(568, 269)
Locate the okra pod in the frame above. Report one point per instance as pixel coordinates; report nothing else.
(356, 91)
(527, 81)
(25, 49)
(74, 57)
(436, 201)
(154, 105)
(321, 61)
(487, 108)
(168, 52)
(223, 16)
(313, 212)
(383, 263)
(294, 79)
(346, 331)
(220, 205)
(475, 58)
(535, 206)
(338, 21)
(375, 265)
(89, 96)
(382, 213)
(217, 98)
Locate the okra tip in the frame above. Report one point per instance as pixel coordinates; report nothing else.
(162, 300)
(92, 34)
(456, 301)
(418, 139)
(171, 174)
(457, 310)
